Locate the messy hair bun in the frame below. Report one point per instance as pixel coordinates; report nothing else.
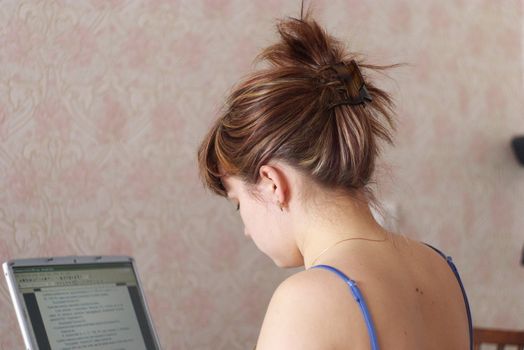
(282, 112)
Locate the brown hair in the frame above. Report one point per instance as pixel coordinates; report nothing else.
(281, 112)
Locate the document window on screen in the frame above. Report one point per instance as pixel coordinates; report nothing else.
(85, 306)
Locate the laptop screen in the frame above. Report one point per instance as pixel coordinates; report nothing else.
(85, 306)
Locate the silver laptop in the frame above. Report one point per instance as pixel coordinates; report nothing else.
(80, 302)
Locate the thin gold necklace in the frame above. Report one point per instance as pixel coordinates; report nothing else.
(344, 240)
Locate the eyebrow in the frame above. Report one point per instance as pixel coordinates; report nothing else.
(221, 179)
(228, 192)
(224, 184)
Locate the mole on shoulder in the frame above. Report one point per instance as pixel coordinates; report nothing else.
(419, 290)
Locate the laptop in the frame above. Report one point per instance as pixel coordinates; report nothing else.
(80, 302)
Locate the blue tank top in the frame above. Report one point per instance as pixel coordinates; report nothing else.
(357, 295)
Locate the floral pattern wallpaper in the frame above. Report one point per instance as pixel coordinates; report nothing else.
(103, 104)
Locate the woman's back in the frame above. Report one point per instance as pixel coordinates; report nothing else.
(413, 296)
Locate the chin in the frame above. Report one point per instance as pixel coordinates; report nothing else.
(288, 263)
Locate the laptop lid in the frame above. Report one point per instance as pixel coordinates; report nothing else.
(80, 302)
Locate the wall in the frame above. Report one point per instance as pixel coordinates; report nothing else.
(103, 104)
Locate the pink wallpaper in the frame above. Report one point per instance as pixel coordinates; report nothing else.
(103, 104)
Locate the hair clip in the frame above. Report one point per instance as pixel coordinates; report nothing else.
(352, 79)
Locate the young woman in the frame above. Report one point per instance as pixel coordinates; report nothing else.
(295, 149)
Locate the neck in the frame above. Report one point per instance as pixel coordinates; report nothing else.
(340, 223)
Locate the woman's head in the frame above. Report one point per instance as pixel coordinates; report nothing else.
(287, 112)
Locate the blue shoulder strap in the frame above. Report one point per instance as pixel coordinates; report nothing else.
(359, 299)
(468, 311)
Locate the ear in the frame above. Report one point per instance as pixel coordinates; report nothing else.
(274, 184)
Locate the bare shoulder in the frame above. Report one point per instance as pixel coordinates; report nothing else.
(408, 282)
(304, 313)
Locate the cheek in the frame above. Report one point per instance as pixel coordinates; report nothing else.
(255, 220)
(253, 223)
(268, 235)
(247, 217)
